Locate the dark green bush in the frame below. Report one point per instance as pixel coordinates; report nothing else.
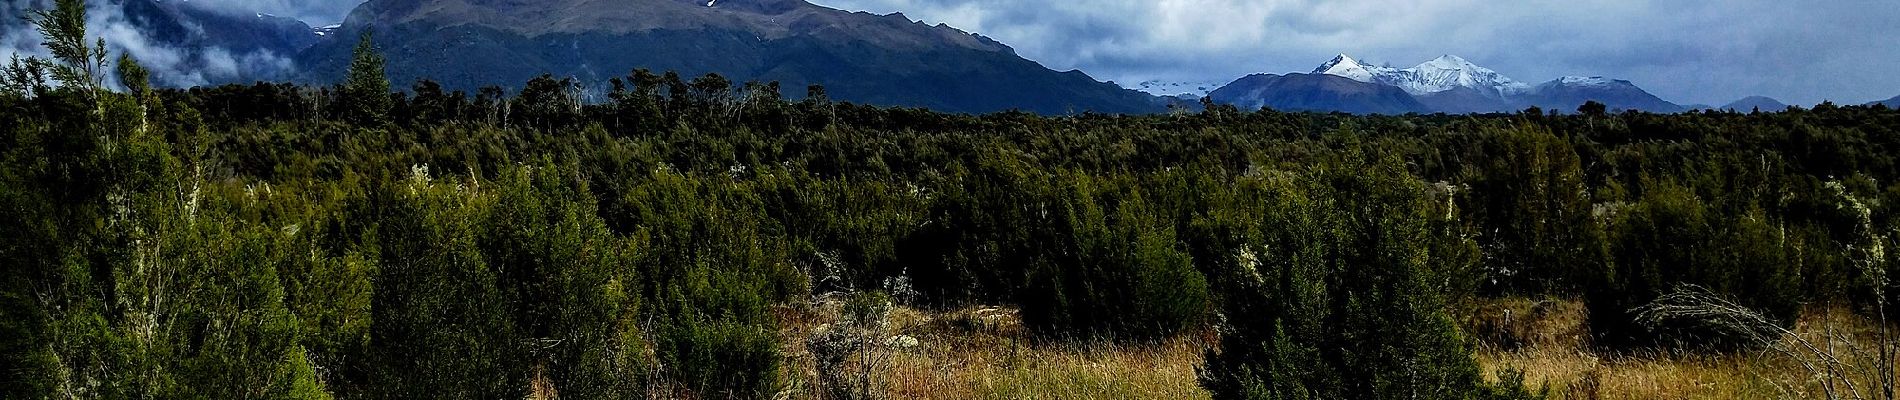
(1116, 273)
(721, 358)
(1669, 238)
(1326, 293)
(442, 323)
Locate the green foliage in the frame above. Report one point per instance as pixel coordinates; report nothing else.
(1110, 273)
(1668, 238)
(442, 326)
(713, 276)
(1327, 292)
(572, 283)
(274, 240)
(364, 97)
(1527, 186)
(81, 65)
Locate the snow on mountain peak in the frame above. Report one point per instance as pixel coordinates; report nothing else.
(1172, 88)
(1585, 81)
(1444, 73)
(1449, 62)
(1344, 66)
(1342, 60)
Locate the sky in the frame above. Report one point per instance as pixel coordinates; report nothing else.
(1709, 52)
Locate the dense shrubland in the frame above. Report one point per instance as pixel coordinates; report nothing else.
(275, 240)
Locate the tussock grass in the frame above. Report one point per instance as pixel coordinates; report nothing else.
(1554, 353)
(984, 353)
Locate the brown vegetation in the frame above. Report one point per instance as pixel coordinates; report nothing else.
(984, 353)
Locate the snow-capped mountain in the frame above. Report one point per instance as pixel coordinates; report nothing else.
(1177, 89)
(1447, 84)
(1345, 66)
(1438, 75)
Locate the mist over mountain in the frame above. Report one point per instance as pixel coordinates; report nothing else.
(181, 42)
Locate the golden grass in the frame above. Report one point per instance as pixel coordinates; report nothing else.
(1564, 361)
(983, 353)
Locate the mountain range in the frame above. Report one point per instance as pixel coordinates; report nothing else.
(887, 60)
(1448, 84)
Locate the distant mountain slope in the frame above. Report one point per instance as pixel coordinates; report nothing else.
(1753, 103)
(1315, 92)
(1566, 93)
(1891, 103)
(1464, 100)
(859, 57)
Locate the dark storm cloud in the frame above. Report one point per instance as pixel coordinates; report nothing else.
(1801, 52)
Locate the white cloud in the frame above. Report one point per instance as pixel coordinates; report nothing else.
(170, 64)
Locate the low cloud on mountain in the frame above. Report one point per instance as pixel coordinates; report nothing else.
(173, 61)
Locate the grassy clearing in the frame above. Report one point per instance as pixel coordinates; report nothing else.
(984, 353)
(1553, 350)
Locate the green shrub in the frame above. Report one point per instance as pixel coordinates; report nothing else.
(1119, 275)
(1327, 293)
(721, 358)
(442, 326)
(712, 274)
(1669, 238)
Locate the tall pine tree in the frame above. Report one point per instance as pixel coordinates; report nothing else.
(365, 97)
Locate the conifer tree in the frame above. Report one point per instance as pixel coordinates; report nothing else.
(365, 95)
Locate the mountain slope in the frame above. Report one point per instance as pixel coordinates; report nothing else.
(1566, 93)
(1315, 92)
(1891, 103)
(859, 57)
(1464, 100)
(1752, 103)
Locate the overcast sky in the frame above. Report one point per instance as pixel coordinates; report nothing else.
(1711, 52)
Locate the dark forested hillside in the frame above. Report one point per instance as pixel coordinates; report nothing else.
(884, 60)
(285, 241)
